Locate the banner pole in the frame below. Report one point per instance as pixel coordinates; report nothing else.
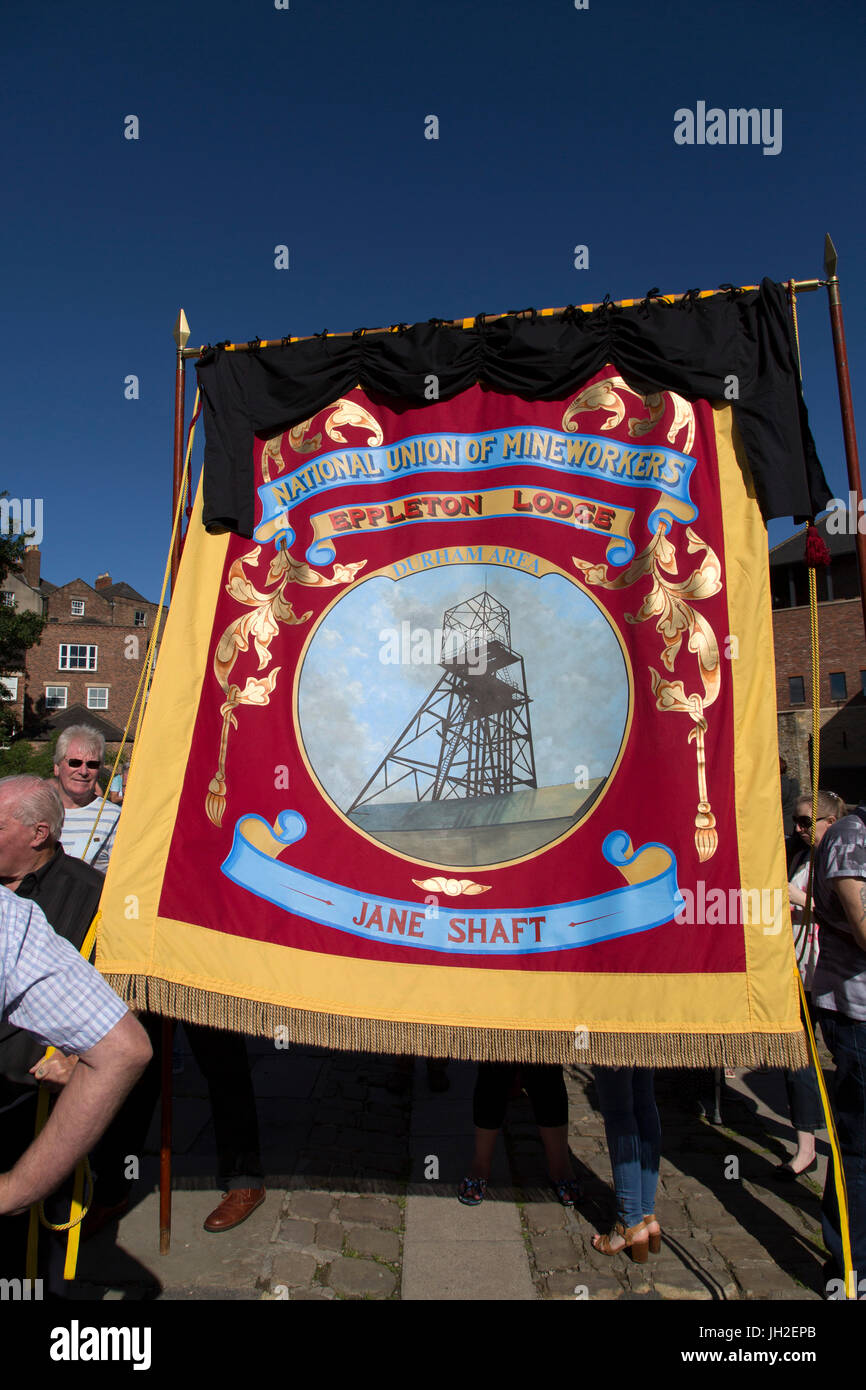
(801, 286)
(181, 338)
(846, 404)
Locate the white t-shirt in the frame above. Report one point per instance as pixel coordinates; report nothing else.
(77, 825)
(805, 942)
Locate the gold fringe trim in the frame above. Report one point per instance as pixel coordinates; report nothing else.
(348, 1034)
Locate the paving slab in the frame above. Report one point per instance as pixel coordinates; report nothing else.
(197, 1260)
(465, 1271)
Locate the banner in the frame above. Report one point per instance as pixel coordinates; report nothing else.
(471, 751)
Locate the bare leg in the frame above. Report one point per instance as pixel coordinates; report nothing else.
(805, 1151)
(555, 1143)
(482, 1159)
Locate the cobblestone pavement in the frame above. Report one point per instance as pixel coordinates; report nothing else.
(351, 1143)
(729, 1230)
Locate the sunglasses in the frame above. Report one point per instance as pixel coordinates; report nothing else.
(91, 763)
(801, 822)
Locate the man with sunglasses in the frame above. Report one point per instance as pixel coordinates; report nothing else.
(89, 826)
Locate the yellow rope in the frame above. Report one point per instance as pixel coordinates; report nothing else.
(838, 1172)
(150, 655)
(78, 1209)
(83, 1174)
(792, 299)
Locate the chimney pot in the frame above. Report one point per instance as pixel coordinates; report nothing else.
(103, 581)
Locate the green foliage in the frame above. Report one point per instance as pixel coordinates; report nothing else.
(11, 551)
(20, 757)
(18, 631)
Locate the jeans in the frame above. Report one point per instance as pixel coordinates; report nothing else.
(804, 1098)
(846, 1039)
(631, 1122)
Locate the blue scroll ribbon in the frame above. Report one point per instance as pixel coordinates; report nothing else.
(635, 907)
(452, 453)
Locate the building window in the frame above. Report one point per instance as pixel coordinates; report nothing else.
(74, 656)
(97, 697)
(8, 687)
(8, 598)
(796, 690)
(140, 617)
(55, 696)
(863, 681)
(78, 608)
(838, 686)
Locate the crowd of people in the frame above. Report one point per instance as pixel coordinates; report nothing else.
(56, 839)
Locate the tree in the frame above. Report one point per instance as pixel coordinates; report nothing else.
(22, 757)
(18, 631)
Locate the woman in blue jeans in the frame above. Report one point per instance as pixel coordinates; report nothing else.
(631, 1122)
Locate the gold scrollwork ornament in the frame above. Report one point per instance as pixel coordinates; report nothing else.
(669, 602)
(259, 625)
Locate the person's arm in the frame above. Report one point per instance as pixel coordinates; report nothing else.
(796, 895)
(851, 893)
(104, 1075)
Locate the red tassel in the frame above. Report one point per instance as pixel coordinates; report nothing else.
(816, 549)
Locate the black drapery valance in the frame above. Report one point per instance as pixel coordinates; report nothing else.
(694, 347)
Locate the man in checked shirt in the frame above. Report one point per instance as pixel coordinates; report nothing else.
(49, 990)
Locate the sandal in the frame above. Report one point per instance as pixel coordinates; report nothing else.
(472, 1191)
(655, 1237)
(568, 1192)
(636, 1250)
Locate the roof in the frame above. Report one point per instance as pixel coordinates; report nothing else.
(100, 593)
(792, 551)
(79, 714)
(111, 592)
(121, 590)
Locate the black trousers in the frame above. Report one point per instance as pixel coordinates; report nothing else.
(222, 1059)
(543, 1084)
(17, 1127)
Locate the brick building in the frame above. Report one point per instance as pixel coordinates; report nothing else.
(842, 654)
(91, 653)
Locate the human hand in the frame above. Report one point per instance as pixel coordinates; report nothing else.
(55, 1070)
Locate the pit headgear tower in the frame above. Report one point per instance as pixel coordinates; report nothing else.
(471, 736)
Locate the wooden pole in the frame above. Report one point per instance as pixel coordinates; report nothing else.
(846, 404)
(181, 338)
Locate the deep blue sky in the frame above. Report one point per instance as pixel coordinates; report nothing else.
(305, 126)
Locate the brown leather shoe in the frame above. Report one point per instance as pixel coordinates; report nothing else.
(234, 1208)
